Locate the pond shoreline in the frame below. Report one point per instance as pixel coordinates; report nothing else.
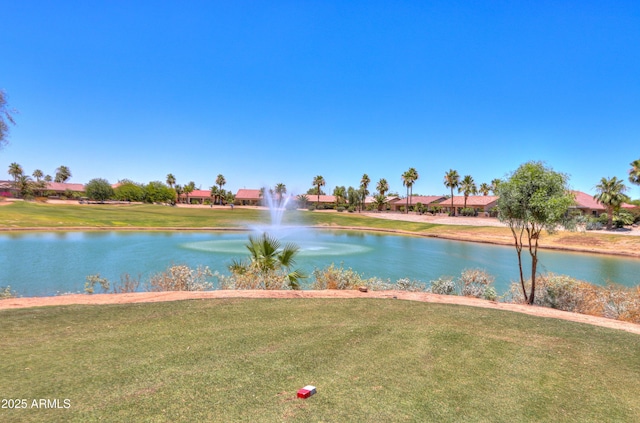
(453, 236)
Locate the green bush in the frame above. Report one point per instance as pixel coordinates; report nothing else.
(468, 212)
(340, 208)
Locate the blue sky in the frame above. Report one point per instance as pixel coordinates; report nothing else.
(282, 91)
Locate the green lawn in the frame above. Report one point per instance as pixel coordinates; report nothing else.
(371, 360)
(39, 215)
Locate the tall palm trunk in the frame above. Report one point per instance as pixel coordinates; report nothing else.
(453, 211)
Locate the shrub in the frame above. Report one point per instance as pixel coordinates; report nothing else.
(444, 285)
(569, 294)
(91, 282)
(468, 212)
(593, 224)
(181, 278)
(99, 189)
(6, 292)
(623, 218)
(127, 284)
(474, 282)
(351, 209)
(340, 208)
(333, 277)
(253, 278)
(311, 207)
(405, 284)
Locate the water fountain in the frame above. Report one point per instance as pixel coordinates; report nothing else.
(310, 241)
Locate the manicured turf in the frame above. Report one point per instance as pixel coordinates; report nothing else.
(39, 215)
(371, 360)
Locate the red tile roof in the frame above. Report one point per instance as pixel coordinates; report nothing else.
(472, 200)
(586, 201)
(63, 186)
(200, 193)
(424, 199)
(248, 194)
(323, 198)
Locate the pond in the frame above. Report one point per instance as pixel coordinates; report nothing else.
(45, 263)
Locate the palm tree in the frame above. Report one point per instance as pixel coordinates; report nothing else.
(494, 185)
(379, 200)
(48, 178)
(23, 185)
(188, 189)
(452, 180)
(408, 179)
(267, 257)
(302, 200)
(340, 193)
(280, 190)
(611, 196)
(37, 174)
(215, 192)
(171, 180)
(39, 183)
(383, 186)
(15, 170)
(220, 181)
(63, 174)
(364, 184)
(467, 187)
(484, 188)
(634, 172)
(318, 182)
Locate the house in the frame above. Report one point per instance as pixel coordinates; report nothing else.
(479, 203)
(197, 196)
(6, 189)
(61, 188)
(586, 204)
(426, 200)
(248, 197)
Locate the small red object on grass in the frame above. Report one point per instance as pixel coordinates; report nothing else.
(306, 392)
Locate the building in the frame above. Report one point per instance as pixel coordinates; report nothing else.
(586, 204)
(426, 200)
(248, 197)
(197, 196)
(482, 204)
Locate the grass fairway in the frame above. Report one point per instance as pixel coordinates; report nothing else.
(371, 360)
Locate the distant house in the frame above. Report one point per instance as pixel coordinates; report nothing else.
(56, 189)
(322, 199)
(248, 197)
(480, 203)
(586, 204)
(7, 189)
(425, 200)
(62, 187)
(196, 196)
